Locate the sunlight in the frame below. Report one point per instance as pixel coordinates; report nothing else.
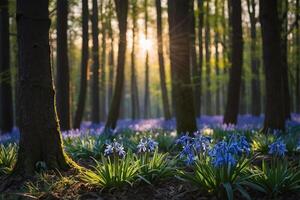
(145, 44)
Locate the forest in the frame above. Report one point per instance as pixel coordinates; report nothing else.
(149, 99)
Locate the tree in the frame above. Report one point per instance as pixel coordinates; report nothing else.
(147, 107)
(298, 57)
(207, 60)
(200, 47)
(162, 73)
(217, 38)
(178, 11)
(255, 82)
(232, 107)
(6, 103)
(135, 103)
(84, 62)
(40, 136)
(95, 66)
(122, 12)
(275, 109)
(193, 57)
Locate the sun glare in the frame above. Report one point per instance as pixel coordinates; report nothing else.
(145, 44)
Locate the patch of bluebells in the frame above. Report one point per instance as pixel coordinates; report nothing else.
(278, 148)
(114, 148)
(147, 145)
(193, 147)
(228, 153)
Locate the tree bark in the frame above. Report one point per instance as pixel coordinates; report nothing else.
(147, 105)
(178, 11)
(162, 73)
(200, 47)
(84, 62)
(122, 12)
(217, 37)
(111, 57)
(95, 67)
(232, 107)
(255, 80)
(207, 61)
(40, 137)
(298, 57)
(274, 111)
(6, 102)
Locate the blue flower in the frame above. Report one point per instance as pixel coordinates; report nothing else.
(223, 154)
(201, 144)
(152, 145)
(147, 145)
(278, 148)
(244, 145)
(114, 148)
(183, 140)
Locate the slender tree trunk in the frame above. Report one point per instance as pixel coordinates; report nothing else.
(232, 107)
(39, 127)
(207, 61)
(84, 62)
(102, 65)
(193, 58)
(255, 81)
(200, 38)
(95, 66)
(6, 102)
(162, 73)
(147, 105)
(225, 55)
(135, 105)
(274, 112)
(122, 12)
(217, 36)
(298, 57)
(178, 11)
(111, 57)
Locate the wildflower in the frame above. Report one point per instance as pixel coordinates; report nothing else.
(201, 143)
(277, 148)
(114, 148)
(183, 140)
(147, 145)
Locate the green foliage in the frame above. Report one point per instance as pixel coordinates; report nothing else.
(276, 177)
(112, 172)
(155, 168)
(261, 142)
(8, 156)
(222, 181)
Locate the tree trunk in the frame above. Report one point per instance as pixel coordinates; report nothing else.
(122, 12)
(217, 36)
(255, 81)
(84, 62)
(135, 105)
(178, 11)
(162, 73)
(274, 112)
(200, 38)
(298, 57)
(111, 57)
(95, 67)
(147, 105)
(103, 64)
(232, 107)
(207, 61)
(193, 59)
(39, 127)
(6, 102)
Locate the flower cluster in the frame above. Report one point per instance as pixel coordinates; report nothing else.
(227, 153)
(114, 148)
(147, 145)
(278, 148)
(193, 146)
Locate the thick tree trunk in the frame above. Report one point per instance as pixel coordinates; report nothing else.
(178, 11)
(95, 67)
(232, 107)
(207, 61)
(298, 57)
(162, 73)
(255, 81)
(193, 59)
(111, 57)
(39, 127)
(84, 62)
(274, 112)
(103, 65)
(6, 102)
(122, 12)
(147, 105)
(135, 105)
(200, 47)
(217, 36)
